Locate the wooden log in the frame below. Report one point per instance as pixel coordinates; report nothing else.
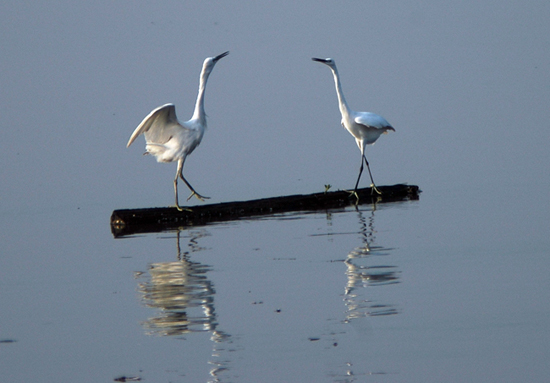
(151, 220)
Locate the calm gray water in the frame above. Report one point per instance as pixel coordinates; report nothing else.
(452, 287)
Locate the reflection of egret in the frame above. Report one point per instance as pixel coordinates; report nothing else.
(185, 296)
(169, 140)
(366, 127)
(360, 275)
(183, 293)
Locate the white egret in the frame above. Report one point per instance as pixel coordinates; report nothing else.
(366, 127)
(169, 140)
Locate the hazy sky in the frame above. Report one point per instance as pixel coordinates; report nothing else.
(466, 86)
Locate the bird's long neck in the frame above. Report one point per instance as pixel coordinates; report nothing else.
(344, 108)
(199, 113)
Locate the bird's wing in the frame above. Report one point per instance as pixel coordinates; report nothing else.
(159, 125)
(372, 120)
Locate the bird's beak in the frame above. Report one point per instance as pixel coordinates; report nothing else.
(324, 61)
(220, 56)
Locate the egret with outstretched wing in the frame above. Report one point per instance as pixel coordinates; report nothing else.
(170, 140)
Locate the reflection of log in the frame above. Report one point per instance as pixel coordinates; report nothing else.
(133, 221)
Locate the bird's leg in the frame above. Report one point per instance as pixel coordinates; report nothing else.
(354, 192)
(194, 193)
(373, 186)
(359, 176)
(178, 172)
(176, 193)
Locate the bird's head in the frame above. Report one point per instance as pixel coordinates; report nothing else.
(209, 62)
(215, 59)
(328, 61)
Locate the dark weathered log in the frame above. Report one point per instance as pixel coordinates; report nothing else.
(150, 220)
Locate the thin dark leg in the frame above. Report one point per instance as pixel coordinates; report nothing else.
(359, 177)
(178, 171)
(373, 187)
(194, 193)
(179, 174)
(354, 192)
(180, 164)
(176, 192)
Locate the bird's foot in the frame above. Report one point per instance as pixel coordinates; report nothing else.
(183, 208)
(199, 197)
(353, 194)
(375, 189)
